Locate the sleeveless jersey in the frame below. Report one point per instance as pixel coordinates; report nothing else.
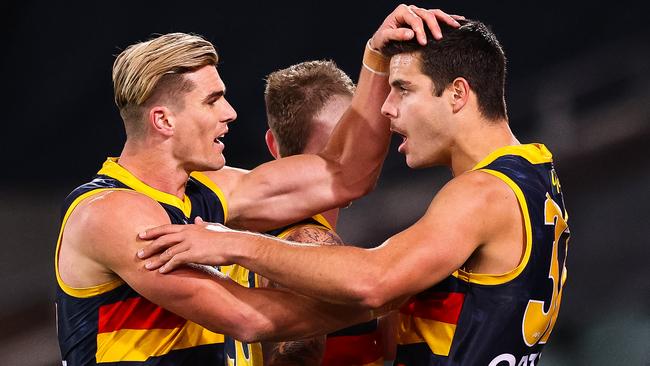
(111, 323)
(504, 319)
(358, 345)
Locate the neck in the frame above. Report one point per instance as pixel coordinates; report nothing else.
(154, 166)
(477, 139)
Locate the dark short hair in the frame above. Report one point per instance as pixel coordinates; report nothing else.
(295, 95)
(472, 52)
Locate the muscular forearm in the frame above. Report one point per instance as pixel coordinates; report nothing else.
(282, 315)
(345, 275)
(360, 141)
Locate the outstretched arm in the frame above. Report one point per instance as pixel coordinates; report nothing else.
(290, 189)
(453, 228)
(103, 229)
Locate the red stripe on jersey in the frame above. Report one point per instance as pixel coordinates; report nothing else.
(136, 313)
(440, 306)
(351, 350)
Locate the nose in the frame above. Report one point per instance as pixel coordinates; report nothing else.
(389, 108)
(229, 113)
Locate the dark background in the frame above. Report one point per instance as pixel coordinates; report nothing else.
(578, 80)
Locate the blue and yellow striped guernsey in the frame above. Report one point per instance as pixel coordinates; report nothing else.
(498, 319)
(111, 323)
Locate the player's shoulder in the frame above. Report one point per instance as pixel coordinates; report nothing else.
(477, 186)
(114, 212)
(474, 194)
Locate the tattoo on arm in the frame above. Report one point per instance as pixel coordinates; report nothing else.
(314, 235)
(307, 352)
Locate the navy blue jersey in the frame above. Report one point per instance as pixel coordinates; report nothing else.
(111, 323)
(498, 319)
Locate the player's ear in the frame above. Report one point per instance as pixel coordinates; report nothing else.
(272, 144)
(459, 94)
(161, 120)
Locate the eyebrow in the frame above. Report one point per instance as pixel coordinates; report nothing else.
(400, 83)
(214, 95)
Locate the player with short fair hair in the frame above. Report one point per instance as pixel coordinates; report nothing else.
(484, 268)
(303, 104)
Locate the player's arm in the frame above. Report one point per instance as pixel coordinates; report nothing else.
(290, 189)
(302, 352)
(471, 211)
(106, 229)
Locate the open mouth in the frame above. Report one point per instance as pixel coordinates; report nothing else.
(402, 146)
(217, 140)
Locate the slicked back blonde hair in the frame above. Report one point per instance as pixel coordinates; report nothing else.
(153, 70)
(294, 96)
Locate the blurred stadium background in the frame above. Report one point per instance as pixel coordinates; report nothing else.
(578, 80)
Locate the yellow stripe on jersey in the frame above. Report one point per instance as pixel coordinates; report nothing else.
(112, 169)
(82, 292)
(119, 345)
(534, 153)
(323, 221)
(214, 188)
(498, 279)
(438, 335)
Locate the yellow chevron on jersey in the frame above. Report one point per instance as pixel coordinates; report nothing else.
(111, 322)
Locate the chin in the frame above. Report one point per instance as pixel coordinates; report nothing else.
(211, 165)
(413, 163)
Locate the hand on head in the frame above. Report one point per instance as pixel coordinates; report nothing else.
(408, 21)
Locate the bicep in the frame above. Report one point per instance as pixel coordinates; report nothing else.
(285, 191)
(110, 234)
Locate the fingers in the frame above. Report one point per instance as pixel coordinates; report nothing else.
(169, 260)
(175, 261)
(399, 34)
(198, 220)
(444, 17)
(430, 20)
(405, 15)
(160, 244)
(159, 231)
